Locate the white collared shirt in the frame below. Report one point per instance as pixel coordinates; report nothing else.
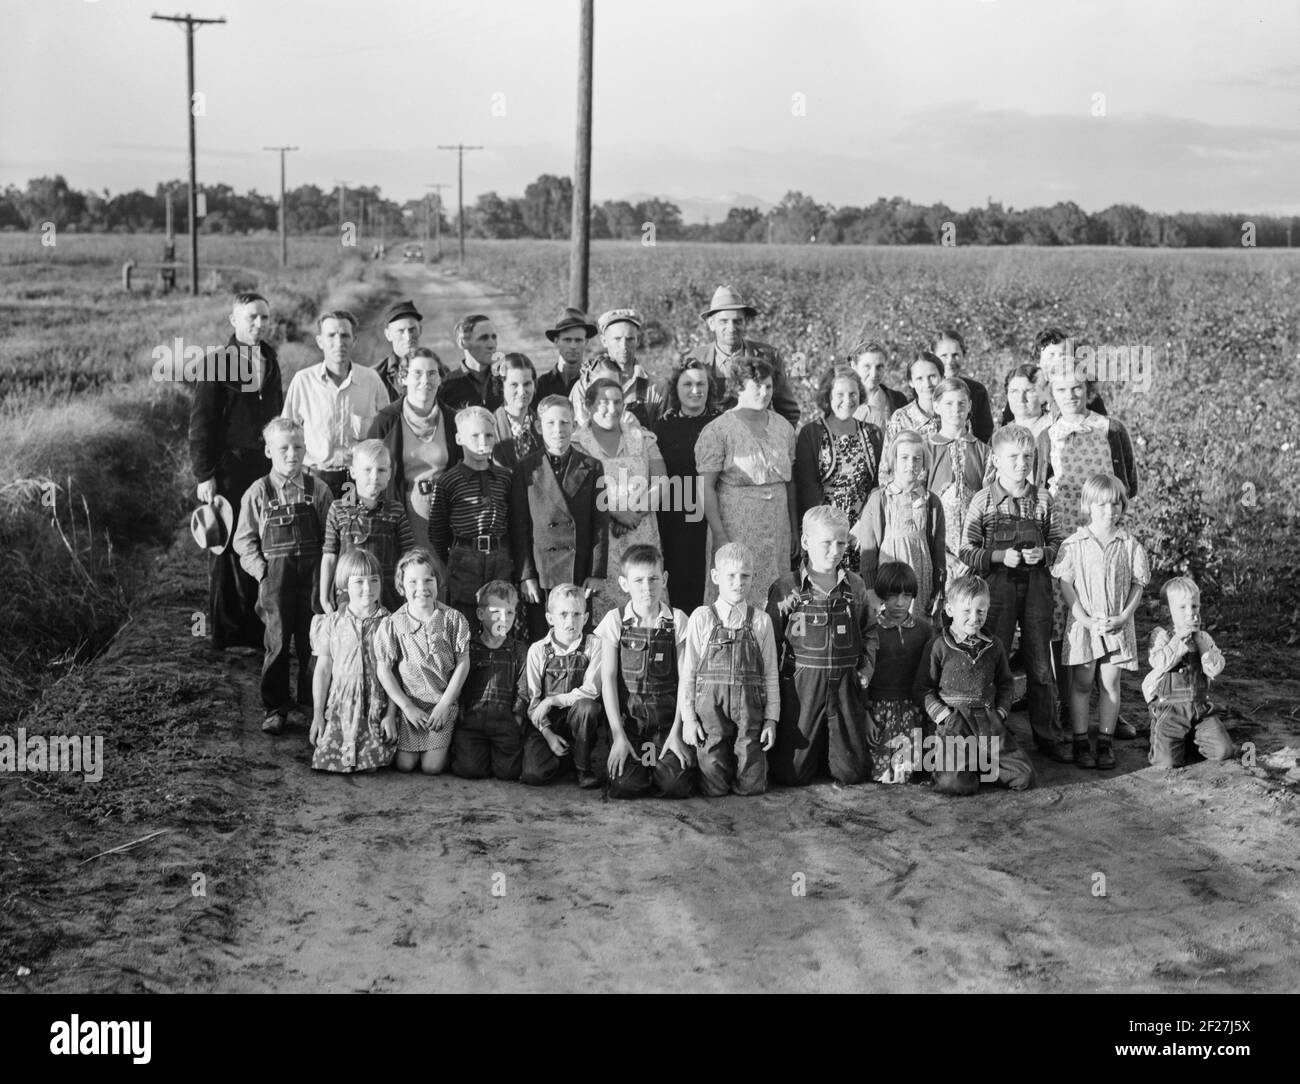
(334, 417)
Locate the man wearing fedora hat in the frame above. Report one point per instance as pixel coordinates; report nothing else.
(620, 332)
(227, 455)
(570, 335)
(727, 317)
(402, 324)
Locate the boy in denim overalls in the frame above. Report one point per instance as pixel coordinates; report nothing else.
(494, 707)
(281, 528)
(1010, 539)
(730, 696)
(827, 631)
(563, 676)
(1178, 688)
(641, 649)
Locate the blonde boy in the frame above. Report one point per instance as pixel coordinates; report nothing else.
(729, 696)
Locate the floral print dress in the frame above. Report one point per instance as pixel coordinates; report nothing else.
(353, 739)
(848, 465)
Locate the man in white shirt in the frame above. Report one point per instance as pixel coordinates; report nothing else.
(334, 401)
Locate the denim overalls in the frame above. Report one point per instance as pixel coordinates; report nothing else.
(577, 724)
(1181, 707)
(647, 668)
(488, 740)
(729, 700)
(823, 707)
(291, 536)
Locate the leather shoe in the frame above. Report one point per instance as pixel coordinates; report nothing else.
(1062, 752)
(588, 780)
(1124, 730)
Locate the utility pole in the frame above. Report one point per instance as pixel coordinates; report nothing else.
(284, 212)
(580, 245)
(437, 219)
(460, 149)
(190, 23)
(343, 190)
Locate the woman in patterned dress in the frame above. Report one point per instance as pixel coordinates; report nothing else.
(634, 477)
(682, 527)
(957, 465)
(837, 457)
(515, 380)
(1026, 399)
(745, 459)
(923, 374)
(1077, 445)
(352, 729)
(903, 521)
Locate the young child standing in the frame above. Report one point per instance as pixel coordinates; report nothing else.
(641, 650)
(423, 662)
(558, 528)
(1011, 538)
(355, 724)
(363, 518)
(891, 701)
(966, 685)
(281, 526)
(730, 694)
(469, 513)
(903, 521)
(489, 737)
(1102, 570)
(957, 465)
(563, 682)
(826, 626)
(1183, 663)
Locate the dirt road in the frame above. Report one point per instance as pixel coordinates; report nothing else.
(273, 878)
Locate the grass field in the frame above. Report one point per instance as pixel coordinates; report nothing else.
(1221, 408)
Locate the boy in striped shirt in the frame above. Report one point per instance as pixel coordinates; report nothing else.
(469, 514)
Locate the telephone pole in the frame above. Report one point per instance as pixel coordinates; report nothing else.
(437, 219)
(580, 246)
(284, 212)
(460, 149)
(190, 23)
(343, 191)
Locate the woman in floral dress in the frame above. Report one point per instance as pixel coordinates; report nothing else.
(957, 464)
(634, 477)
(515, 378)
(745, 459)
(923, 374)
(837, 457)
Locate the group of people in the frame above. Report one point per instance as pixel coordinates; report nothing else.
(497, 570)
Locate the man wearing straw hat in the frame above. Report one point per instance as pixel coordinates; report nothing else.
(727, 317)
(227, 455)
(570, 336)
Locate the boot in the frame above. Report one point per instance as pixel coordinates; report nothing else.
(1105, 755)
(1083, 757)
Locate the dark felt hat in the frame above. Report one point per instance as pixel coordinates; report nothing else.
(571, 318)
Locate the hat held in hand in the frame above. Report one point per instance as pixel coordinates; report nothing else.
(211, 524)
(728, 299)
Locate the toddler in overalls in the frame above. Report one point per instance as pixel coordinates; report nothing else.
(966, 685)
(730, 695)
(363, 518)
(641, 647)
(563, 676)
(281, 526)
(1183, 663)
(1011, 537)
(826, 627)
(494, 708)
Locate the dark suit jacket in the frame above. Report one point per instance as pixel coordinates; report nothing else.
(783, 400)
(809, 483)
(553, 383)
(981, 416)
(570, 547)
(461, 389)
(387, 368)
(224, 418)
(387, 426)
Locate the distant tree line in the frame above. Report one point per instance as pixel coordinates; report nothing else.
(545, 211)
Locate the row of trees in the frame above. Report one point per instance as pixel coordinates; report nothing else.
(546, 207)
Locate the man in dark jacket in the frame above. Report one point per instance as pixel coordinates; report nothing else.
(570, 335)
(727, 317)
(402, 324)
(243, 391)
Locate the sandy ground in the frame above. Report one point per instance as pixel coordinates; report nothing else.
(390, 883)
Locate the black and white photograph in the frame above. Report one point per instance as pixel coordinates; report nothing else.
(697, 497)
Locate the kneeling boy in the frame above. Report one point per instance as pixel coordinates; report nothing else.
(827, 631)
(489, 740)
(1178, 688)
(563, 675)
(641, 650)
(730, 695)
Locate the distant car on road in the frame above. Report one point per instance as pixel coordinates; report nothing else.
(413, 252)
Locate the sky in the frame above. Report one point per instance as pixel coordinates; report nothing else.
(1175, 105)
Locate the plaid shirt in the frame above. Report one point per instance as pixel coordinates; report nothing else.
(993, 505)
